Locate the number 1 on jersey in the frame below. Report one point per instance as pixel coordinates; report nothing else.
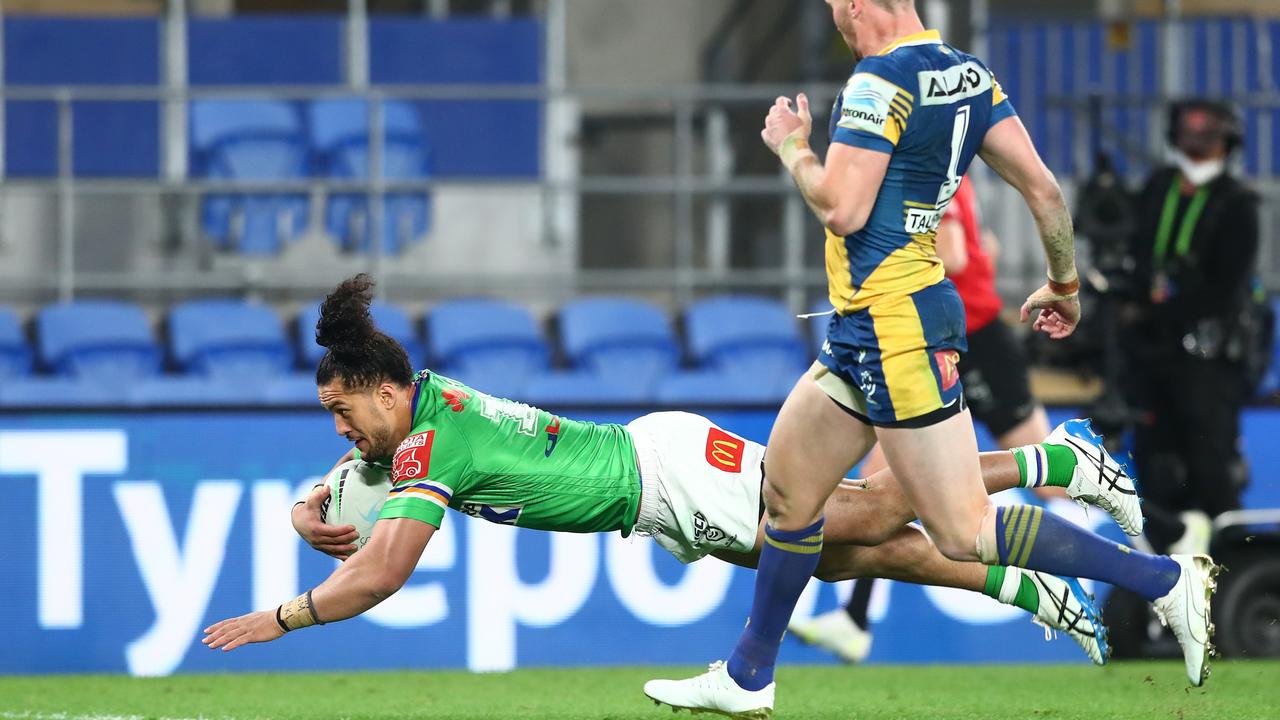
(959, 131)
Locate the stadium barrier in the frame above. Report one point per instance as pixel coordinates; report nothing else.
(136, 530)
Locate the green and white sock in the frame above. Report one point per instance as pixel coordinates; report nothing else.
(1044, 464)
(1012, 586)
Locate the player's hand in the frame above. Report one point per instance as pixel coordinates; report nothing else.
(333, 540)
(1058, 314)
(782, 122)
(256, 627)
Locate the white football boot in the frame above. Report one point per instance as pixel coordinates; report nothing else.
(1185, 611)
(1066, 607)
(834, 632)
(1098, 479)
(715, 692)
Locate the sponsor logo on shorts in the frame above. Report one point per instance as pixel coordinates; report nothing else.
(708, 534)
(553, 435)
(948, 367)
(413, 457)
(456, 399)
(724, 451)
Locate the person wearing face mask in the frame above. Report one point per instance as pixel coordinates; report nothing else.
(1194, 252)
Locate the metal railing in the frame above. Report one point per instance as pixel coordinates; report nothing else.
(686, 106)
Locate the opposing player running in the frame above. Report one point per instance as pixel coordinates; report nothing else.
(997, 390)
(909, 121)
(692, 486)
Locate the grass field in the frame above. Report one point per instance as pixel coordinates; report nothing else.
(1238, 690)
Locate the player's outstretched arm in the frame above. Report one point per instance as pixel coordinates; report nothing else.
(841, 192)
(371, 576)
(1008, 150)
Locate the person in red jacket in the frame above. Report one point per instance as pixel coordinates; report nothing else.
(996, 388)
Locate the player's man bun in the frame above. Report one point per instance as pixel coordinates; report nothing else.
(358, 353)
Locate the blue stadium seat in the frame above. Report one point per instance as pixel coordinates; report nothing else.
(619, 338)
(577, 387)
(228, 339)
(249, 140)
(390, 319)
(99, 339)
(749, 335)
(15, 356)
(712, 387)
(340, 139)
(491, 345)
(62, 392)
(189, 391)
(294, 389)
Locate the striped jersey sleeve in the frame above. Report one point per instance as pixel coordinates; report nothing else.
(874, 109)
(1001, 107)
(414, 492)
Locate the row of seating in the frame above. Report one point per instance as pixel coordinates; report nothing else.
(738, 349)
(273, 140)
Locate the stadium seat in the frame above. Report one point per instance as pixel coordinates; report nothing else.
(390, 319)
(712, 387)
(62, 392)
(577, 387)
(293, 390)
(15, 356)
(194, 391)
(491, 345)
(749, 335)
(340, 140)
(98, 339)
(249, 140)
(228, 339)
(620, 338)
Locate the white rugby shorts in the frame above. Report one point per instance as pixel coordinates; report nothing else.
(701, 485)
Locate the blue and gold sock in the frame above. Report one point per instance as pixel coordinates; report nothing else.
(1028, 537)
(787, 561)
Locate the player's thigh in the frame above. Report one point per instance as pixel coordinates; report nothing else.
(938, 470)
(813, 445)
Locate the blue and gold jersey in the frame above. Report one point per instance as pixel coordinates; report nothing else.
(929, 106)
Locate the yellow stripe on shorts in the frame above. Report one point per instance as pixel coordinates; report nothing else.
(904, 358)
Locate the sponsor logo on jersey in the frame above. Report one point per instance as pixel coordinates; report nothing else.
(865, 105)
(724, 451)
(500, 514)
(456, 399)
(413, 457)
(706, 533)
(948, 370)
(961, 82)
(553, 435)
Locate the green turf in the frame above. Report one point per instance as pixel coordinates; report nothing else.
(1238, 690)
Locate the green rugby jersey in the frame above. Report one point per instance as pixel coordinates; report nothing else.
(512, 464)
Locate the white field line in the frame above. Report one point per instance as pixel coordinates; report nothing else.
(5, 715)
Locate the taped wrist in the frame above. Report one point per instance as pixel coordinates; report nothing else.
(1070, 287)
(792, 148)
(297, 613)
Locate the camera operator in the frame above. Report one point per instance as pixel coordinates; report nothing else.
(1194, 250)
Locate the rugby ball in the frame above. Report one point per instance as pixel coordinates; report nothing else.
(357, 490)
